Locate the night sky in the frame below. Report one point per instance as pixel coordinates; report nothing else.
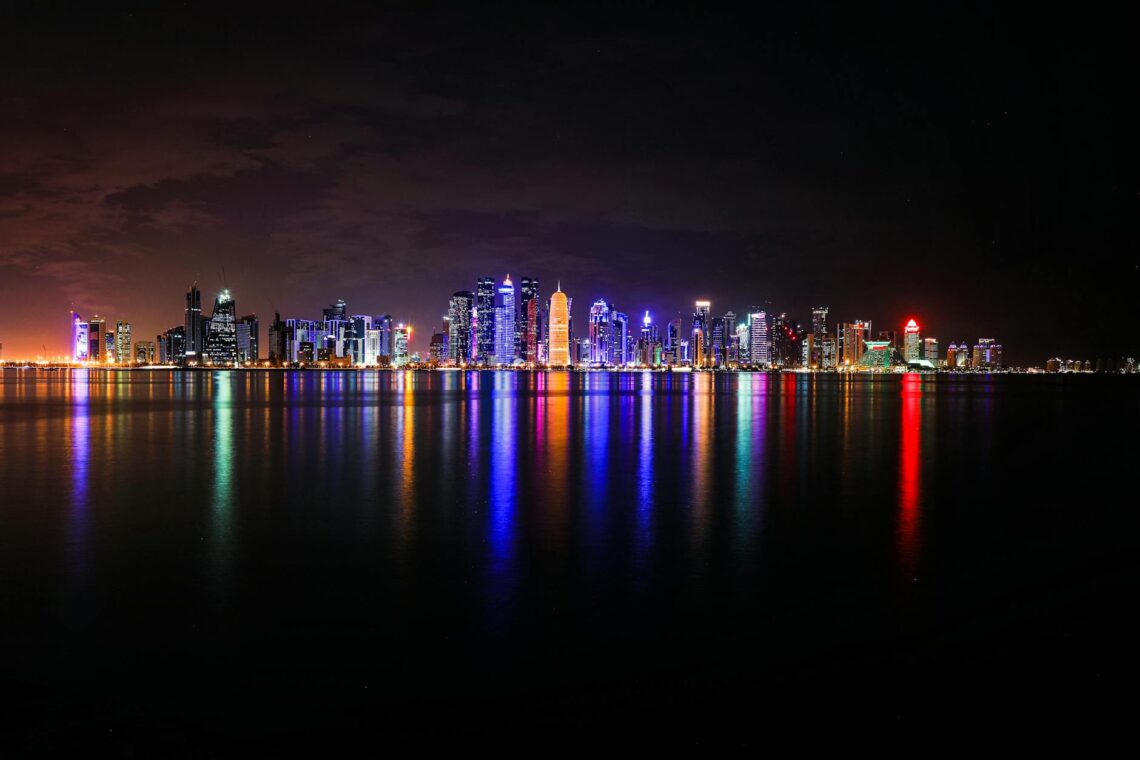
(969, 165)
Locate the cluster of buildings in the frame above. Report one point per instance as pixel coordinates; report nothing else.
(496, 325)
(500, 325)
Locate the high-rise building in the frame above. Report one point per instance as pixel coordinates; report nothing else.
(697, 347)
(193, 325)
(248, 339)
(648, 346)
(850, 338)
(172, 345)
(485, 319)
(526, 337)
(221, 341)
(122, 342)
(912, 342)
(109, 344)
(601, 333)
(718, 342)
(336, 311)
(822, 346)
(277, 353)
(95, 331)
(437, 347)
(787, 342)
(672, 343)
(402, 339)
(79, 338)
(987, 354)
(701, 325)
(930, 350)
(505, 317)
(559, 348)
(819, 320)
(732, 346)
(759, 344)
(740, 341)
(144, 352)
(619, 339)
(387, 328)
(460, 309)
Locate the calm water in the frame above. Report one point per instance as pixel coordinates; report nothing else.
(206, 560)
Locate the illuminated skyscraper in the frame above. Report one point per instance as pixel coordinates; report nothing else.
(701, 325)
(673, 353)
(619, 345)
(402, 338)
(172, 345)
(79, 335)
(930, 350)
(221, 341)
(277, 340)
(559, 351)
(648, 346)
(110, 355)
(849, 340)
(459, 312)
(387, 329)
(759, 344)
(526, 330)
(95, 331)
(718, 342)
(122, 342)
(248, 338)
(912, 343)
(505, 319)
(601, 333)
(193, 325)
(485, 320)
(337, 311)
(822, 344)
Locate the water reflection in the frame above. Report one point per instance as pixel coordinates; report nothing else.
(910, 474)
(503, 485)
(79, 439)
(221, 507)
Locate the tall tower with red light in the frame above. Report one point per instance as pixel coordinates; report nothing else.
(912, 343)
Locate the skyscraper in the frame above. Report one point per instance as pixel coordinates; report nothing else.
(619, 342)
(821, 345)
(759, 344)
(525, 330)
(485, 319)
(930, 350)
(601, 333)
(110, 354)
(718, 342)
(277, 340)
(95, 330)
(850, 338)
(459, 312)
(248, 339)
(221, 340)
(505, 317)
(337, 311)
(559, 351)
(402, 338)
(912, 343)
(79, 335)
(122, 342)
(701, 325)
(195, 332)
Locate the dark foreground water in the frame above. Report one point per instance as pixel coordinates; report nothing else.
(212, 563)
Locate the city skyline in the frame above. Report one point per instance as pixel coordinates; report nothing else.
(630, 158)
(502, 327)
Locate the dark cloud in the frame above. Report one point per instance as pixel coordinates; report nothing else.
(962, 164)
